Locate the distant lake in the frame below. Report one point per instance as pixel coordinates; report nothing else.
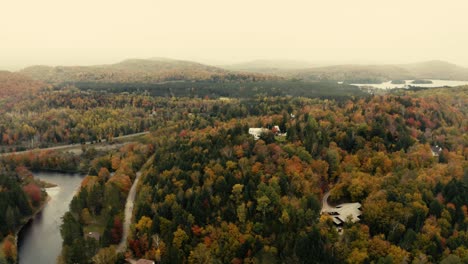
(40, 241)
(435, 83)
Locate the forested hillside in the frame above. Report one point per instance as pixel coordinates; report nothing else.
(363, 73)
(137, 71)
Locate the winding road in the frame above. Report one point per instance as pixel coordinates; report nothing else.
(128, 213)
(325, 206)
(129, 209)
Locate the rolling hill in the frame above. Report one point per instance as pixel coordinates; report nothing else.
(354, 73)
(137, 71)
(436, 70)
(278, 67)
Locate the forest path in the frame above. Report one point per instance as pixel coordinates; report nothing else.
(129, 209)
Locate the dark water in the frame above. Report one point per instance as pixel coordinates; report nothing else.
(40, 241)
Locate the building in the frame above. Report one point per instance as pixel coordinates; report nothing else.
(436, 150)
(276, 130)
(342, 212)
(94, 235)
(257, 132)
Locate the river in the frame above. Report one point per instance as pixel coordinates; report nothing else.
(39, 241)
(435, 83)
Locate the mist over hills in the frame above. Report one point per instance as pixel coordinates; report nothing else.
(356, 73)
(280, 67)
(160, 70)
(437, 69)
(137, 70)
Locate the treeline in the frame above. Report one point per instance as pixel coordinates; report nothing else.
(235, 89)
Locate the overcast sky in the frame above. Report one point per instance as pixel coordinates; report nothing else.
(66, 32)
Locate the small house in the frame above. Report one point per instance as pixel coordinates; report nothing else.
(257, 132)
(436, 150)
(94, 235)
(342, 212)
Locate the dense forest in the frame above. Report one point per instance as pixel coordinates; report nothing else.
(217, 195)
(20, 197)
(210, 192)
(233, 89)
(94, 112)
(17, 85)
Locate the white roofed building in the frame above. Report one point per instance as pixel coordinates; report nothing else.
(256, 132)
(341, 213)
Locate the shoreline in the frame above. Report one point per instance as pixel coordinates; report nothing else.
(29, 219)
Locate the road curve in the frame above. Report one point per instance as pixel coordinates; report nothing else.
(325, 206)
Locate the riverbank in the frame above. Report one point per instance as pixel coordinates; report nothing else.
(24, 222)
(40, 242)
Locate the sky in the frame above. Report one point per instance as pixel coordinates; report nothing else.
(85, 32)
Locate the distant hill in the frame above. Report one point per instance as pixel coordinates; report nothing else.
(379, 73)
(436, 70)
(355, 73)
(14, 84)
(160, 70)
(137, 70)
(280, 67)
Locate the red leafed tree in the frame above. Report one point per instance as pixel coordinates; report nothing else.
(9, 249)
(23, 172)
(196, 230)
(34, 192)
(135, 246)
(117, 230)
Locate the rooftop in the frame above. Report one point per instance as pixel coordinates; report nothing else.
(94, 235)
(436, 150)
(341, 213)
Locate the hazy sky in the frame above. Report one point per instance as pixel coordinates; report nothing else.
(68, 32)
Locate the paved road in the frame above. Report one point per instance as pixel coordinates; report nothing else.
(75, 146)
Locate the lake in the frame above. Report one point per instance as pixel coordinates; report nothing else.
(435, 83)
(40, 241)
